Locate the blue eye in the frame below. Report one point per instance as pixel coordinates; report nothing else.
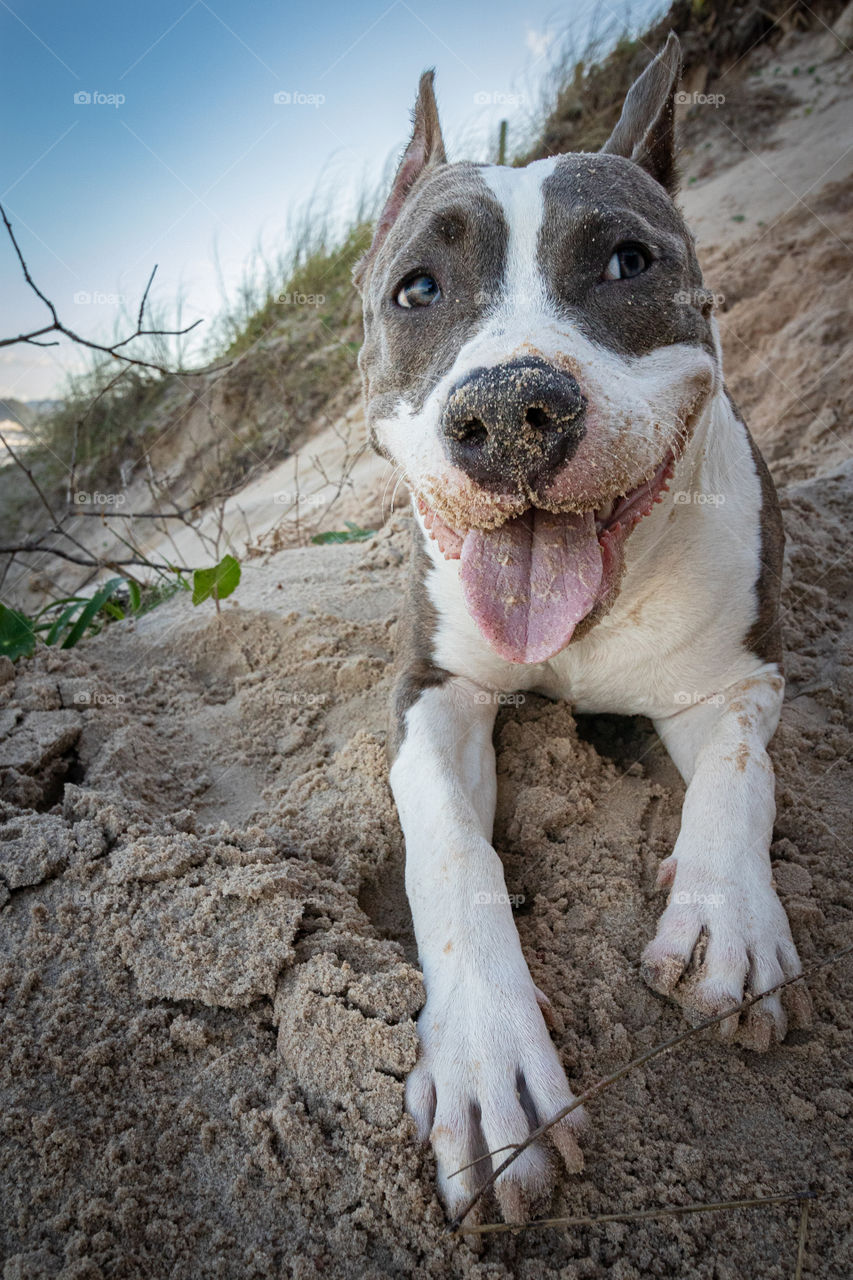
(418, 291)
(627, 261)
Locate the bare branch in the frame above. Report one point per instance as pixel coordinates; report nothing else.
(112, 349)
(91, 562)
(145, 296)
(640, 1215)
(43, 499)
(44, 544)
(179, 514)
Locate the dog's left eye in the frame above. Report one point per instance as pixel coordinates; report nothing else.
(418, 291)
(628, 260)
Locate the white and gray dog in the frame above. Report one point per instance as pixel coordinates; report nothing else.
(594, 523)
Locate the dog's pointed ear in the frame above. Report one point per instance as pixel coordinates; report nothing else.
(646, 129)
(425, 151)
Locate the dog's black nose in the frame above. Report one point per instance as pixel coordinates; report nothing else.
(515, 421)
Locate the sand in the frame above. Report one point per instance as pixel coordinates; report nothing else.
(207, 972)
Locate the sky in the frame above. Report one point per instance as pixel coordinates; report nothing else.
(187, 132)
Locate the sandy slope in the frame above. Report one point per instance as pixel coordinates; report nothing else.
(757, 179)
(206, 966)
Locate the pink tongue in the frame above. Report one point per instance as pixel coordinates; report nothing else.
(528, 584)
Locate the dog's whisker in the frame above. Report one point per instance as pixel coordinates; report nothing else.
(396, 475)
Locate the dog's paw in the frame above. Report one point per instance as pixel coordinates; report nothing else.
(718, 942)
(487, 1076)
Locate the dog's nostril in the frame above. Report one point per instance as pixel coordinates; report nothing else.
(537, 417)
(472, 432)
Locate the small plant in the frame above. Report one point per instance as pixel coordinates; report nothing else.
(216, 583)
(79, 614)
(17, 637)
(64, 622)
(352, 533)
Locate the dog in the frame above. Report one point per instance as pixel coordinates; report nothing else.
(593, 523)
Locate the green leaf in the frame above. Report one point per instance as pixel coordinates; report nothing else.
(92, 608)
(135, 595)
(17, 638)
(54, 604)
(217, 582)
(352, 533)
(63, 621)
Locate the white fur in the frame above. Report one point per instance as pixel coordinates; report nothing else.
(671, 648)
(677, 624)
(720, 866)
(481, 1027)
(520, 195)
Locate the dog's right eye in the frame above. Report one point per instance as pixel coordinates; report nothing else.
(628, 260)
(418, 291)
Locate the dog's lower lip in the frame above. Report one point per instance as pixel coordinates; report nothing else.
(622, 512)
(631, 507)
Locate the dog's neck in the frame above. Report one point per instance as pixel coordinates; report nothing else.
(704, 476)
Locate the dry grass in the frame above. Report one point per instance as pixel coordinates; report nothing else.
(587, 88)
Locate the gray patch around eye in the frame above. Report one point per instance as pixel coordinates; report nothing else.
(585, 198)
(451, 227)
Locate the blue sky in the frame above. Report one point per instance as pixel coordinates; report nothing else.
(143, 133)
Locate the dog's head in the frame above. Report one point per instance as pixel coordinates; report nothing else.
(538, 345)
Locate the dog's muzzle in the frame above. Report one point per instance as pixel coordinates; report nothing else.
(513, 423)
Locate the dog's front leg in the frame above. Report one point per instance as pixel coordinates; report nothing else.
(722, 897)
(488, 1072)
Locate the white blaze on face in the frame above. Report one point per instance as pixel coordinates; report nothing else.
(520, 195)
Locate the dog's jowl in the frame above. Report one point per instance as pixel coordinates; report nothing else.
(595, 524)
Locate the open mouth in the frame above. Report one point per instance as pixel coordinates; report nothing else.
(528, 583)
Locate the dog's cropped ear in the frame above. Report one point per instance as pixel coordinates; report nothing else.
(425, 151)
(646, 129)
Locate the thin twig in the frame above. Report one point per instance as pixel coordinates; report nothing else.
(607, 1081)
(801, 1242)
(28, 473)
(42, 496)
(640, 1215)
(179, 514)
(113, 349)
(93, 562)
(145, 297)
